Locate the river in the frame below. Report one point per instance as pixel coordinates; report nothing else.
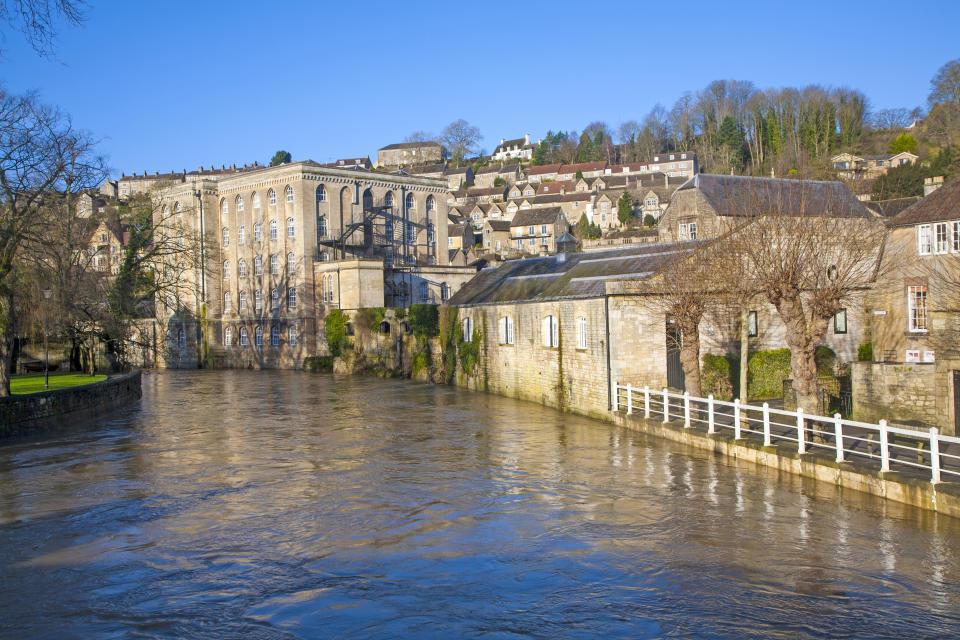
(261, 504)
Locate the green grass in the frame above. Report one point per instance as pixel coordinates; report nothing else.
(33, 382)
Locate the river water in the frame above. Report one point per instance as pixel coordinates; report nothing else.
(245, 504)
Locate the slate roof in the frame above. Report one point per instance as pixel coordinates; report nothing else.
(507, 144)
(571, 275)
(749, 196)
(409, 145)
(452, 171)
(943, 204)
(542, 169)
(487, 191)
(499, 225)
(583, 166)
(493, 168)
(890, 208)
(527, 217)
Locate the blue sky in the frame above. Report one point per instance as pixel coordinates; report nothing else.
(176, 85)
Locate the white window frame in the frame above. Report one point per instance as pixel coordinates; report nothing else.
(272, 197)
(941, 238)
(242, 301)
(955, 247)
(244, 341)
(258, 266)
(506, 330)
(241, 268)
(924, 240)
(274, 336)
(227, 337)
(256, 232)
(226, 302)
(292, 263)
(291, 228)
(226, 236)
(918, 317)
(581, 333)
(241, 234)
(550, 331)
(274, 230)
(467, 329)
(257, 301)
(274, 264)
(292, 298)
(258, 336)
(292, 335)
(289, 192)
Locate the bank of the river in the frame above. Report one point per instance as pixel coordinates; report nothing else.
(34, 412)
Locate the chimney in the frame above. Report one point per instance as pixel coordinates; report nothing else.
(526, 138)
(502, 140)
(932, 184)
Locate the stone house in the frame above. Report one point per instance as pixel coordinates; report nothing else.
(403, 154)
(536, 230)
(105, 245)
(351, 163)
(460, 236)
(682, 164)
(516, 149)
(586, 169)
(539, 173)
(853, 167)
(458, 177)
(488, 175)
(487, 194)
(605, 209)
(558, 186)
(496, 236)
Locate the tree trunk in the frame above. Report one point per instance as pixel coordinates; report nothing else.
(690, 355)
(6, 344)
(803, 367)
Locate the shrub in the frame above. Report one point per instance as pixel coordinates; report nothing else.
(423, 320)
(369, 319)
(470, 352)
(766, 371)
(715, 377)
(865, 352)
(336, 331)
(649, 220)
(318, 363)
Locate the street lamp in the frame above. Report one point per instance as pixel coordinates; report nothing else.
(46, 355)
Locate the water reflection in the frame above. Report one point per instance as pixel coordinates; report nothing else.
(281, 504)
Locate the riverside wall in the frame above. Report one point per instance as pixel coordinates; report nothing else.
(26, 414)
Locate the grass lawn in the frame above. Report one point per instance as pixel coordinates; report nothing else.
(33, 382)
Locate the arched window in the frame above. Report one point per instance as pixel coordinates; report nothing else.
(258, 266)
(239, 204)
(388, 199)
(292, 298)
(256, 232)
(226, 269)
(291, 229)
(274, 264)
(275, 336)
(226, 236)
(164, 212)
(178, 210)
(241, 268)
(444, 292)
(227, 337)
(181, 339)
(411, 232)
(322, 226)
(273, 229)
(431, 205)
(321, 194)
(258, 336)
(275, 299)
(291, 263)
(467, 329)
(411, 202)
(243, 337)
(506, 330)
(581, 333)
(256, 201)
(241, 234)
(224, 208)
(226, 302)
(179, 239)
(289, 192)
(292, 336)
(242, 301)
(257, 301)
(272, 197)
(550, 332)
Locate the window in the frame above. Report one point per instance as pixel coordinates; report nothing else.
(272, 197)
(241, 268)
(321, 194)
(256, 232)
(274, 336)
(257, 301)
(450, 241)
(226, 237)
(956, 237)
(923, 239)
(242, 301)
(543, 228)
(273, 229)
(431, 205)
(913, 355)
(530, 230)
(291, 229)
(241, 235)
(258, 266)
(258, 336)
(581, 333)
(181, 339)
(292, 336)
(840, 321)
(411, 202)
(178, 209)
(224, 209)
(322, 226)
(292, 298)
(550, 331)
(274, 264)
(467, 329)
(239, 204)
(226, 302)
(424, 292)
(941, 238)
(532, 242)
(687, 231)
(506, 330)
(544, 240)
(411, 232)
(917, 307)
(180, 239)
(256, 201)
(753, 327)
(243, 337)
(444, 292)
(388, 199)
(275, 299)
(289, 192)
(226, 269)
(227, 337)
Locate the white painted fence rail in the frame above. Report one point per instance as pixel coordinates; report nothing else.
(892, 447)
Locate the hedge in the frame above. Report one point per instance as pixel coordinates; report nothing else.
(715, 377)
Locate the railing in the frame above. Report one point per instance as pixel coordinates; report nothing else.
(926, 452)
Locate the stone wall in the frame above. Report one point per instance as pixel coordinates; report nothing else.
(22, 415)
(897, 393)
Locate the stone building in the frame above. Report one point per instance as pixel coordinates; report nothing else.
(517, 149)
(536, 230)
(488, 175)
(403, 154)
(853, 167)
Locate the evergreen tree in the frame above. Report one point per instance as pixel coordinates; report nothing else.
(625, 208)
(280, 157)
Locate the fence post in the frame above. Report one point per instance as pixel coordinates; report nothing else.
(801, 436)
(710, 425)
(646, 402)
(629, 399)
(934, 455)
(616, 396)
(736, 419)
(838, 434)
(884, 448)
(766, 424)
(686, 409)
(666, 406)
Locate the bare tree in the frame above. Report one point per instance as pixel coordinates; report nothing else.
(461, 139)
(38, 20)
(891, 119)
(945, 85)
(420, 136)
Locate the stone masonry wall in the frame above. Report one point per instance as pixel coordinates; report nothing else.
(898, 393)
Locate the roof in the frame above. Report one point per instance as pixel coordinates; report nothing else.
(599, 165)
(542, 169)
(526, 217)
(427, 168)
(456, 229)
(890, 208)
(493, 168)
(571, 275)
(487, 191)
(409, 145)
(570, 196)
(506, 144)
(942, 204)
(499, 225)
(554, 187)
(452, 171)
(749, 196)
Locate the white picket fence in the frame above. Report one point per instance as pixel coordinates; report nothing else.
(894, 448)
